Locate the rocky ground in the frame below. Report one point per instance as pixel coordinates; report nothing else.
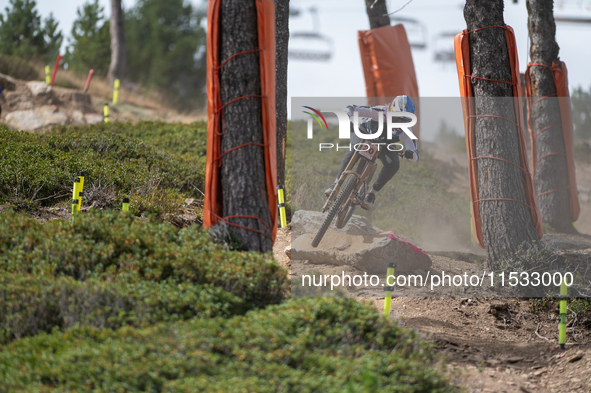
(35, 106)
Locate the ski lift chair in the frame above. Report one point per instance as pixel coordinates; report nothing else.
(416, 31)
(444, 47)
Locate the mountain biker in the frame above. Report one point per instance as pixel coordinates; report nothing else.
(389, 158)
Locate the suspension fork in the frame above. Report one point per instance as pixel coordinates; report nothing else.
(341, 181)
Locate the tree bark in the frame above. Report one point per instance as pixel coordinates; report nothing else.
(551, 172)
(243, 170)
(505, 224)
(118, 48)
(378, 14)
(281, 44)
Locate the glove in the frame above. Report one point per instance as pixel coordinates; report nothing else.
(408, 154)
(350, 109)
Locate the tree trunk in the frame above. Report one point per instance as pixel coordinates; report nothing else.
(551, 172)
(505, 224)
(243, 170)
(378, 14)
(281, 44)
(118, 49)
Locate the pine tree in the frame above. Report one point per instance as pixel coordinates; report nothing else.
(163, 39)
(551, 172)
(118, 48)
(89, 45)
(506, 224)
(21, 33)
(281, 45)
(377, 12)
(53, 38)
(243, 169)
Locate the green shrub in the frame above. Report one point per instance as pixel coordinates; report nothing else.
(17, 68)
(308, 345)
(34, 304)
(123, 261)
(41, 168)
(187, 140)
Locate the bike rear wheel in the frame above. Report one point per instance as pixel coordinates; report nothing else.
(343, 196)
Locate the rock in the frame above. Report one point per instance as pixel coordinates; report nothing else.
(575, 357)
(7, 83)
(38, 88)
(93, 118)
(359, 244)
(72, 96)
(514, 359)
(193, 202)
(287, 251)
(78, 118)
(29, 120)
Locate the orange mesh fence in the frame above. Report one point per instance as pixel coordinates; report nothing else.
(213, 210)
(561, 81)
(462, 53)
(387, 65)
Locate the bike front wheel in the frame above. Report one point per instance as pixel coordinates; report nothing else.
(341, 198)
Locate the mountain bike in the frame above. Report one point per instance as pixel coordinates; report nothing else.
(351, 188)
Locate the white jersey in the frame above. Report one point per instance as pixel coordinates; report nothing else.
(375, 114)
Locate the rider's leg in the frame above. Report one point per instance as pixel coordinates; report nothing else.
(391, 163)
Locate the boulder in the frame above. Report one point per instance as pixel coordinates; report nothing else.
(72, 96)
(359, 244)
(32, 119)
(304, 221)
(93, 118)
(78, 118)
(38, 88)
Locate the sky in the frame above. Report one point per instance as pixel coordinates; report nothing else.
(341, 19)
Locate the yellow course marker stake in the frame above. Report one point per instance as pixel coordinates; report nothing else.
(281, 196)
(47, 75)
(80, 189)
(106, 113)
(116, 92)
(562, 326)
(388, 289)
(125, 206)
(75, 197)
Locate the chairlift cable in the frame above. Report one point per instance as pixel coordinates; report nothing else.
(399, 9)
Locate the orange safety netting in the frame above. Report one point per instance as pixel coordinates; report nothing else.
(212, 210)
(387, 65)
(462, 52)
(561, 81)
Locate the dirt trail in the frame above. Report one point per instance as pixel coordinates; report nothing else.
(511, 349)
(514, 350)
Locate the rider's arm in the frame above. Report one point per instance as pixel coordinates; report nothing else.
(410, 145)
(368, 112)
